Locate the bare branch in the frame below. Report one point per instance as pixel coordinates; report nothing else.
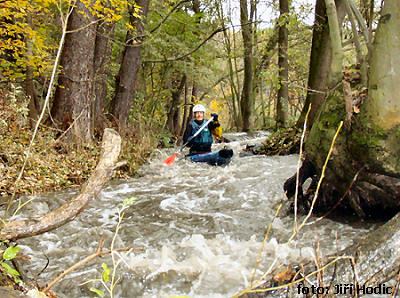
(221, 79)
(46, 103)
(357, 43)
(190, 52)
(98, 253)
(168, 15)
(360, 20)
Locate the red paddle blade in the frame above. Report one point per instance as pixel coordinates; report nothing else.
(170, 160)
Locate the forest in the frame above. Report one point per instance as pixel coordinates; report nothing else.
(95, 96)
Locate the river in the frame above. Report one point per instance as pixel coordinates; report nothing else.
(201, 229)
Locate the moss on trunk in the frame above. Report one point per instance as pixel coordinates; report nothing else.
(363, 174)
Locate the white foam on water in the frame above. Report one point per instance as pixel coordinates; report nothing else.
(217, 266)
(201, 228)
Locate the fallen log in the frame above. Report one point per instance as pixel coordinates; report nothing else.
(19, 229)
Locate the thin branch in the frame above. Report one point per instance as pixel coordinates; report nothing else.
(190, 52)
(221, 79)
(319, 182)
(68, 129)
(46, 102)
(144, 36)
(339, 201)
(298, 169)
(98, 253)
(357, 44)
(356, 279)
(266, 237)
(168, 15)
(306, 89)
(248, 291)
(360, 20)
(94, 255)
(269, 50)
(84, 27)
(396, 288)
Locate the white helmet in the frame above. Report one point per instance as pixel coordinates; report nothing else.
(199, 108)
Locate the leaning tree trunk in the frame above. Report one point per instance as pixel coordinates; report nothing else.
(283, 92)
(72, 102)
(127, 76)
(18, 229)
(320, 61)
(246, 100)
(364, 173)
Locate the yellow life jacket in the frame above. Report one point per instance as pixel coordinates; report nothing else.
(217, 132)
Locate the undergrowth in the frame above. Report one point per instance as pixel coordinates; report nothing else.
(54, 164)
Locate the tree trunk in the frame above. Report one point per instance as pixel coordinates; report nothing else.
(102, 56)
(233, 87)
(357, 44)
(263, 65)
(193, 99)
(196, 6)
(127, 76)
(185, 110)
(370, 19)
(320, 61)
(33, 99)
(246, 100)
(174, 109)
(268, 52)
(73, 97)
(364, 173)
(382, 109)
(283, 92)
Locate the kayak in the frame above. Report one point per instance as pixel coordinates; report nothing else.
(216, 158)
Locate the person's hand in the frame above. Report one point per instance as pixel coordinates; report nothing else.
(215, 116)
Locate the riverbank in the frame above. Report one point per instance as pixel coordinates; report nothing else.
(52, 163)
(283, 141)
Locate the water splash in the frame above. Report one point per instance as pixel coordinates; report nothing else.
(201, 227)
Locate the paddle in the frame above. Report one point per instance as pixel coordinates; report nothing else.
(171, 159)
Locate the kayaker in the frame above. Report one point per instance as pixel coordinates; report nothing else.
(201, 143)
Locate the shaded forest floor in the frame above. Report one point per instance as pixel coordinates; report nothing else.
(53, 164)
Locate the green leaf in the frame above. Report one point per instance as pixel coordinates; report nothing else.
(11, 252)
(128, 202)
(9, 270)
(106, 272)
(97, 291)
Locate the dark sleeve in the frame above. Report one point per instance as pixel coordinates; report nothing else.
(214, 124)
